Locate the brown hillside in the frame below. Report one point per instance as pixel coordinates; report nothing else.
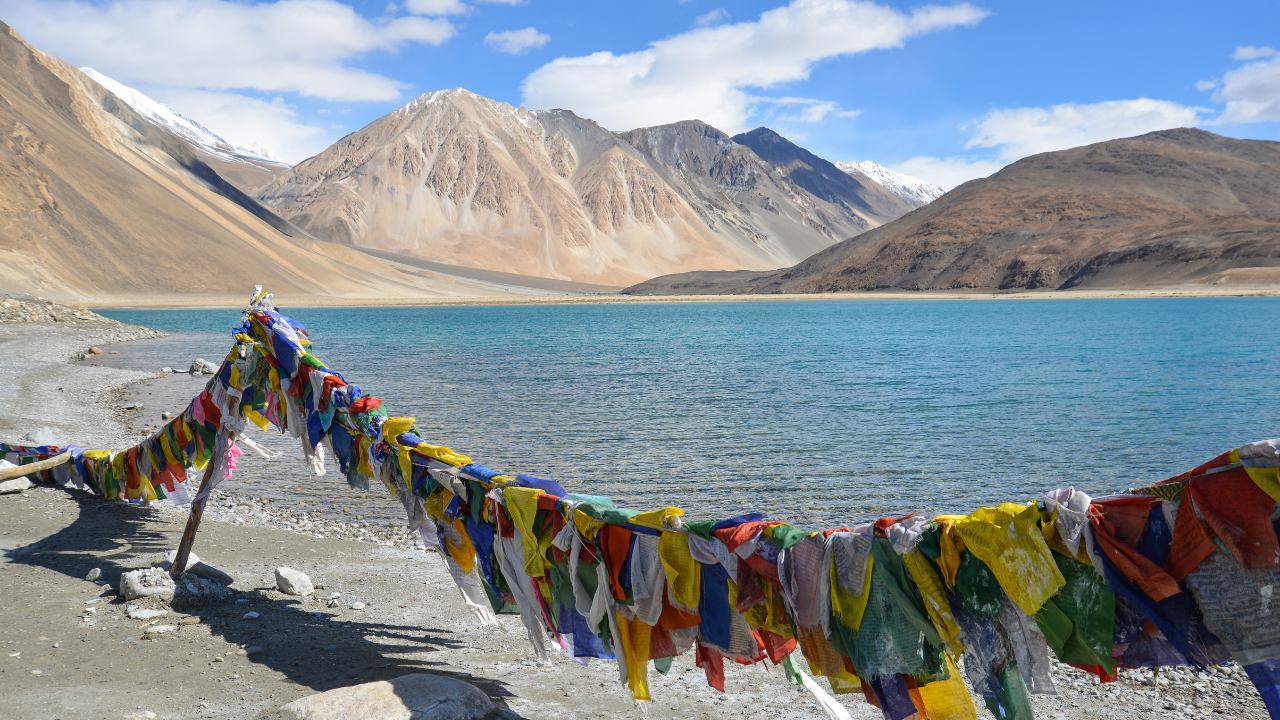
(1167, 208)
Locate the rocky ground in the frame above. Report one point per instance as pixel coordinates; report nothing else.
(384, 607)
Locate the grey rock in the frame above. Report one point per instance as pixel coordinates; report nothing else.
(131, 406)
(251, 615)
(412, 697)
(15, 485)
(167, 563)
(166, 370)
(41, 436)
(146, 614)
(293, 582)
(94, 574)
(151, 582)
(159, 630)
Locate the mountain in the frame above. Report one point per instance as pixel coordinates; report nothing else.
(1175, 207)
(100, 204)
(454, 177)
(912, 189)
(853, 190)
(248, 168)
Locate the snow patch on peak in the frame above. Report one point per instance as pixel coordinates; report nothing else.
(912, 189)
(184, 127)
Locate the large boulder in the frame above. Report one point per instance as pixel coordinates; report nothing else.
(293, 582)
(147, 583)
(412, 697)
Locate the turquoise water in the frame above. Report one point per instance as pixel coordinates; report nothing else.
(823, 412)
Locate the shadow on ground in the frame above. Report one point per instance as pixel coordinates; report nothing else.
(309, 647)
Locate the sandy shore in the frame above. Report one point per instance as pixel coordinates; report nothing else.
(94, 662)
(237, 301)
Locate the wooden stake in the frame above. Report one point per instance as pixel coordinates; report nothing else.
(35, 467)
(193, 522)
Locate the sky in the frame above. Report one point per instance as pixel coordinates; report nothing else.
(946, 92)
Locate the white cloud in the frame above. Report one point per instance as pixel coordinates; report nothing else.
(502, 2)
(1249, 52)
(1252, 92)
(702, 73)
(947, 173)
(1015, 133)
(1207, 84)
(1019, 132)
(435, 7)
(243, 120)
(810, 110)
(715, 17)
(302, 46)
(515, 42)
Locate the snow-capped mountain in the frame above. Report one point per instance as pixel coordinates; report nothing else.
(183, 126)
(911, 189)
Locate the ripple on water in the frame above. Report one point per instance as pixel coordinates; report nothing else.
(824, 412)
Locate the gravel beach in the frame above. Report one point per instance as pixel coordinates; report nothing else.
(68, 648)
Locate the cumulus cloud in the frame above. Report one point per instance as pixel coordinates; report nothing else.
(947, 173)
(1019, 132)
(516, 42)
(302, 46)
(1249, 52)
(1251, 92)
(1015, 133)
(715, 17)
(243, 120)
(704, 73)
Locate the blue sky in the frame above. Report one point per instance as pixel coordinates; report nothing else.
(947, 92)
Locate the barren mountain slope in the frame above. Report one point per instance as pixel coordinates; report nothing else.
(848, 188)
(457, 178)
(737, 193)
(1170, 207)
(96, 203)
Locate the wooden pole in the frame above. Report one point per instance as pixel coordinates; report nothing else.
(35, 467)
(193, 521)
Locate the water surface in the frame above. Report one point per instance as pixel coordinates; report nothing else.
(821, 413)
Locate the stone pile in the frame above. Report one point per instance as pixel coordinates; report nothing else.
(39, 310)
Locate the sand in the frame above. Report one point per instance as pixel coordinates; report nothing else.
(98, 664)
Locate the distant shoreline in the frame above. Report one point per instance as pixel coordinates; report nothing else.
(332, 302)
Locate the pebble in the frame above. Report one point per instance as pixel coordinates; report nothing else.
(251, 615)
(94, 574)
(357, 606)
(189, 621)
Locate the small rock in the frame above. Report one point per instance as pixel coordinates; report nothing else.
(16, 485)
(251, 615)
(357, 606)
(293, 582)
(57, 644)
(166, 415)
(131, 406)
(428, 697)
(147, 583)
(335, 596)
(252, 650)
(37, 671)
(166, 370)
(159, 630)
(146, 614)
(94, 574)
(41, 436)
(189, 621)
(219, 659)
(332, 603)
